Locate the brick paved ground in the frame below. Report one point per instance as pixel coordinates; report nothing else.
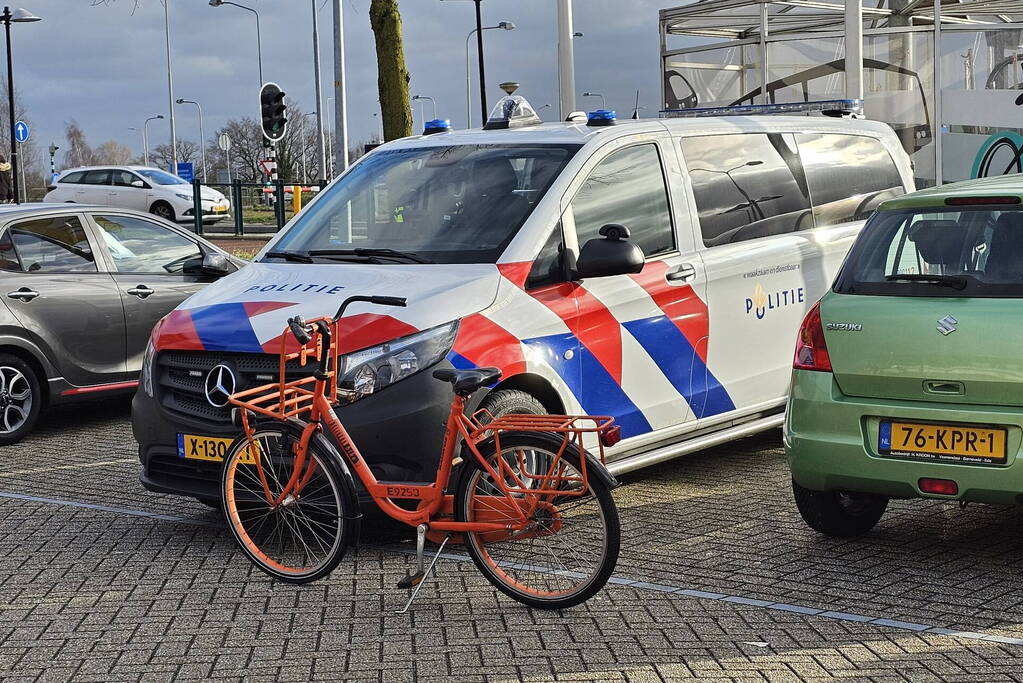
(150, 587)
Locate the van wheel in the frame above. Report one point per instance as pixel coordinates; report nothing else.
(21, 399)
(839, 513)
(511, 401)
(162, 210)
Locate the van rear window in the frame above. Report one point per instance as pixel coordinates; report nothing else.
(968, 252)
(750, 185)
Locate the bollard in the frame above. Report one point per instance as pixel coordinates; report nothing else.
(296, 198)
(197, 205)
(236, 204)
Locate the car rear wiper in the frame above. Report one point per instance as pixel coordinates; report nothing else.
(366, 251)
(296, 256)
(953, 281)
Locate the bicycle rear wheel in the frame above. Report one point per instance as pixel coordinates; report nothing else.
(305, 536)
(570, 548)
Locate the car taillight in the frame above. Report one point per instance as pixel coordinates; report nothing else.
(811, 351)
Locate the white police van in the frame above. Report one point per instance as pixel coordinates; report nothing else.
(498, 239)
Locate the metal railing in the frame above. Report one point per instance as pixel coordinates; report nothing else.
(262, 201)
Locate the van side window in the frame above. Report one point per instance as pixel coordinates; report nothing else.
(747, 186)
(628, 188)
(849, 175)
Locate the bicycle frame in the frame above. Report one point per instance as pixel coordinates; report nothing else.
(520, 492)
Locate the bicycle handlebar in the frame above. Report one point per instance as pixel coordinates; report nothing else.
(299, 329)
(379, 300)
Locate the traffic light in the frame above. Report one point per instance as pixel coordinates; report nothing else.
(272, 108)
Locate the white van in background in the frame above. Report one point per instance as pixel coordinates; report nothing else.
(512, 245)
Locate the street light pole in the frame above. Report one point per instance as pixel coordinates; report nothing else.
(321, 153)
(596, 94)
(170, 89)
(202, 135)
(259, 39)
(145, 138)
(507, 26)
(305, 170)
(18, 16)
(340, 108)
(433, 104)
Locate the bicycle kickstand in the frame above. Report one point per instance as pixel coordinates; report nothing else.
(415, 581)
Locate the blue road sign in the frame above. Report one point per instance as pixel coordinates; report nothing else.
(21, 131)
(186, 171)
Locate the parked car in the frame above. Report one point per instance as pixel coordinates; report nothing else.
(493, 237)
(83, 288)
(140, 188)
(908, 379)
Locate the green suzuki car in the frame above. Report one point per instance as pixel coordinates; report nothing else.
(908, 374)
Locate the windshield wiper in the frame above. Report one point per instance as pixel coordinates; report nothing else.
(366, 252)
(953, 281)
(296, 256)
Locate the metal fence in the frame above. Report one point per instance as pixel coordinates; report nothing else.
(258, 203)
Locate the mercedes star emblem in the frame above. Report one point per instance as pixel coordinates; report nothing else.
(220, 385)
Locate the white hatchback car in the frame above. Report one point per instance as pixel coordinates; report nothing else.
(137, 187)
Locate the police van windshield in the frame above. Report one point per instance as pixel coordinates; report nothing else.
(451, 204)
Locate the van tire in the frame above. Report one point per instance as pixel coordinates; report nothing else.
(35, 398)
(163, 210)
(837, 513)
(511, 401)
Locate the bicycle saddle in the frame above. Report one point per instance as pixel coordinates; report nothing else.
(467, 381)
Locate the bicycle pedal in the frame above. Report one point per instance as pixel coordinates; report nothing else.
(412, 580)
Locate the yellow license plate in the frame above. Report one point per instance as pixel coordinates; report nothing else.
(212, 448)
(946, 443)
(220, 209)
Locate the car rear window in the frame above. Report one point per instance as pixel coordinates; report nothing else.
(959, 252)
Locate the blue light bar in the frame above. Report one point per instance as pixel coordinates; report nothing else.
(437, 126)
(601, 117)
(826, 107)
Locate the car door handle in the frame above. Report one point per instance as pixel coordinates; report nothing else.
(682, 273)
(24, 294)
(141, 291)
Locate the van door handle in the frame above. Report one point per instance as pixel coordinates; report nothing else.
(141, 291)
(682, 273)
(24, 294)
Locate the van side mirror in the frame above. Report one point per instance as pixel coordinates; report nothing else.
(610, 254)
(214, 263)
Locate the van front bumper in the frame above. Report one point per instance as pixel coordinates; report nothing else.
(831, 443)
(398, 430)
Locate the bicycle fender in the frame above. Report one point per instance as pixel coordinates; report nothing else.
(350, 496)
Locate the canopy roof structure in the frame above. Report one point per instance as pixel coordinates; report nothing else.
(739, 19)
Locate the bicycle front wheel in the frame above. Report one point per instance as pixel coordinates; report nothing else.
(569, 547)
(301, 536)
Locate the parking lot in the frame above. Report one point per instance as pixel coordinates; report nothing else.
(718, 579)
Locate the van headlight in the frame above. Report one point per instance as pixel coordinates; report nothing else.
(146, 377)
(370, 370)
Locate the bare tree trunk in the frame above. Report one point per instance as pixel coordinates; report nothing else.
(392, 76)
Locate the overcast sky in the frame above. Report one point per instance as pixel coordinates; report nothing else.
(106, 67)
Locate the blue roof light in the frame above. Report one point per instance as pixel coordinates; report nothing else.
(437, 126)
(601, 117)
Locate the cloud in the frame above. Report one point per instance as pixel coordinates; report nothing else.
(106, 67)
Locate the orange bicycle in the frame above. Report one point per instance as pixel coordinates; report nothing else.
(532, 506)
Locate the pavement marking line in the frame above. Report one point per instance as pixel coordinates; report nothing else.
(614, 580)
(39, 470)
(108, 508)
